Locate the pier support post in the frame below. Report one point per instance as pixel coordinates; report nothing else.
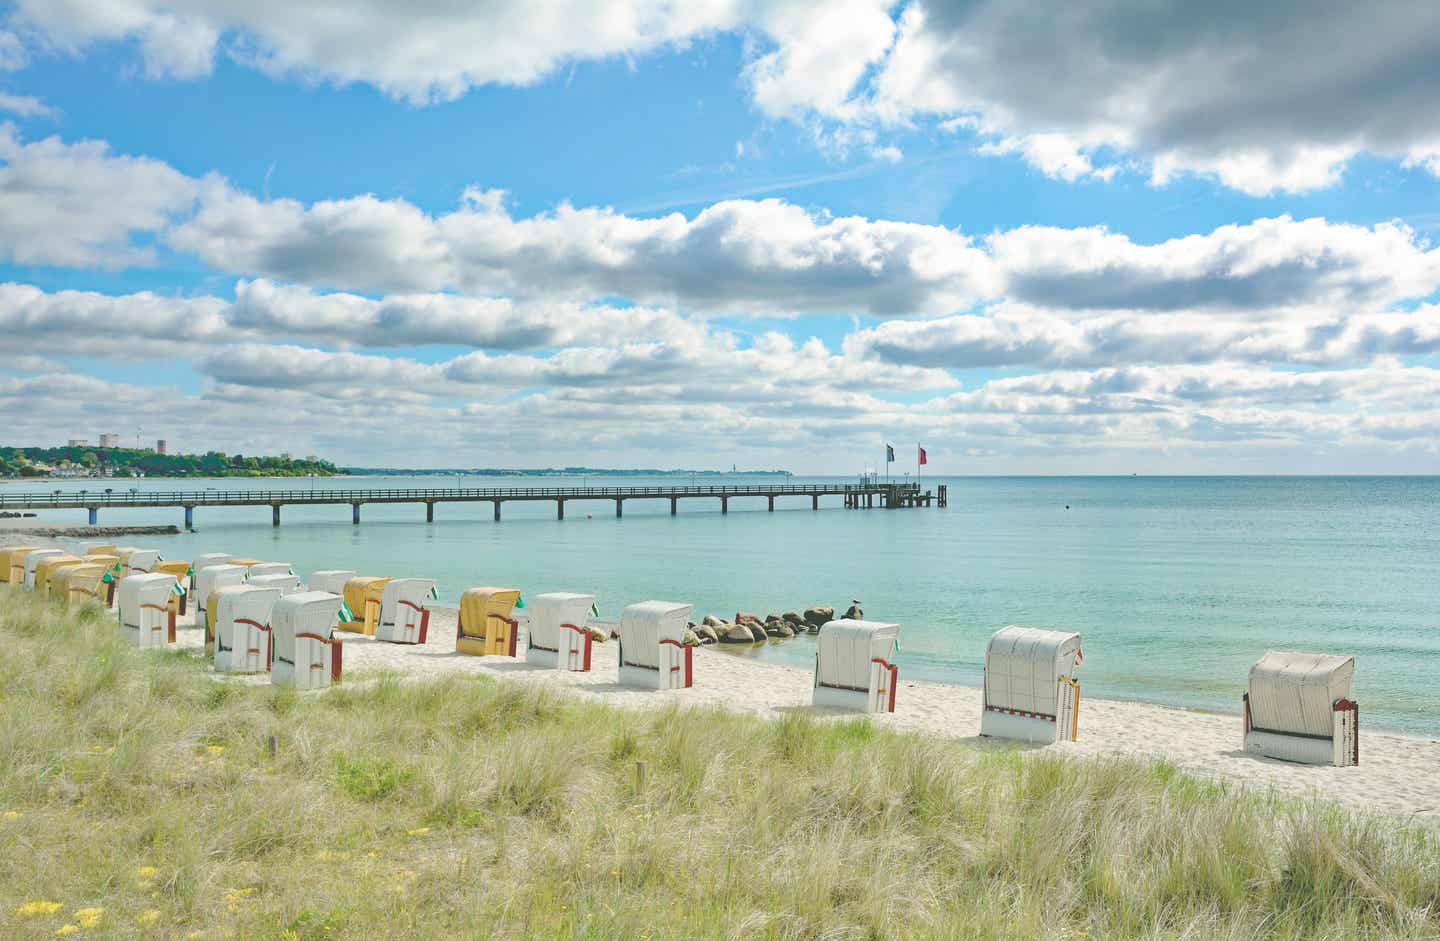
(772, 503)
(274, 514)
(94, 515)
(559, 509)
(355, 514)
(497, 511)
(189, 517)
(429, 511)
(673, 505)
(618, 504)
(815, 501)
(724, 504)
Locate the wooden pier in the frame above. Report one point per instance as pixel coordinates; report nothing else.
(867, 495)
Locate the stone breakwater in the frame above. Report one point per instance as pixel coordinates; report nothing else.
(747, 628)
(104, 532)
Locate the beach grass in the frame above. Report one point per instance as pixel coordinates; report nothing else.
(140, 797)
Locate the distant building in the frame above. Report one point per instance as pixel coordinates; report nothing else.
(286, 456)
(109, 441)
(77, 443)
(312, 458)
(160, 446)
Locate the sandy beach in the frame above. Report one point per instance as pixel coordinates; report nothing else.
(1395, 775)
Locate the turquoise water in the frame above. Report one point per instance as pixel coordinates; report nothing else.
(1177, 584)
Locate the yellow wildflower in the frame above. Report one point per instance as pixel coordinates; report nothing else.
(418, 831)
(146, 872)
(89, 917)
(194, 936)
(38, 907)
(215, 749)
(12, 814)
(149, 916)
(64, 930)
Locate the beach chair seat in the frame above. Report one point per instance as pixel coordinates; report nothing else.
(558, 636)
(361, 592)
(209, 580)
(48, 566)
(1299, 708)
(80, 582)
(32, 561)
(329, 580)
(1031, 689)
(12, 563)
(403, 617)
(853, 668)
(653, 653)
(242, 628)
(486, 626)
(146, 618)
(306, 652)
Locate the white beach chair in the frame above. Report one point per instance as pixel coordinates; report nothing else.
(1299, 709)
(288, 584)
(138, 561)
(404, 619)
(242, 628)
(306, 652)
(853, 668)
(98, 548)
(205, 560)
(209, 580)
(32, 560)
(557, 636)
(144, 611)
(331, 580)
(652, 645)
(271, 568)
(1031, 691)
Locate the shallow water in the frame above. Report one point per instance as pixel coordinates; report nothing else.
(1177, 584)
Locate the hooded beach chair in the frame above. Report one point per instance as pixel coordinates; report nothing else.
(306, 654)
(99, 548)
(287, 584)
(271, 568)
(183, 574)
(653, 653)
(558, 636)
(207, 559)
(209, 580)
(331, 580)
(1299, 709)
(146, 618)
(242, 628)
(1031, 690)
(47, 567)
(360, 593)
(32, 562)
(403, 617)
(12, 563)
(137, 561)
(80, 582)
(853, 668)
(486, 626)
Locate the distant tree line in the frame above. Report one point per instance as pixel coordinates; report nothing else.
(133, 462)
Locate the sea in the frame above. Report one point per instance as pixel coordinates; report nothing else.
(1177, 584)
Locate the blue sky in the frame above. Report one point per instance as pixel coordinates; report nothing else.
(764, 234)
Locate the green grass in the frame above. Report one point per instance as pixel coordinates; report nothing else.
(133, 783)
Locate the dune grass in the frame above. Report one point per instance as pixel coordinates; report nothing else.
(141, 798)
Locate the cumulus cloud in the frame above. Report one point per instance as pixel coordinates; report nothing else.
(80, 205)
(25, 106)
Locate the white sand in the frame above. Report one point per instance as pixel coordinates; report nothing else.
(1397, 775)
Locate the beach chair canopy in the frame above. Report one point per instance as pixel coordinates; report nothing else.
(411, 591)
(177, 567)
(139, 561)
(244, 560)
(359, 588)
(141, 589)
(212, 577)
(32, 561)
(845, 648)
(644, 625)
(282, 582)
(304, 654)
(1023, 666)
(47, 567)
(13, 555)
(271, 568)
(479, 604)
(1295, 693)
(207, 559)
(552, 609)
(99, 548)
(252, 602)
(83, 579)
(331, 580)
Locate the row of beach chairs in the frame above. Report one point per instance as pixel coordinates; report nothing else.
(258, 617)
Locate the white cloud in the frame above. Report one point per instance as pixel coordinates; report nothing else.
(79, 204)
(12, 52)
(26, 106)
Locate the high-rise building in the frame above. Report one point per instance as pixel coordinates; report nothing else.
(76, 443)
(160, 446)
(109, 441)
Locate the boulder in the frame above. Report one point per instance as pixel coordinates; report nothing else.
(793, 618)
(737, 634)
(711, 620)
(742, 617)
(817, 616)
(853, 613)
(772, 627)
(707, 634)
(691, 639)
(780, 629)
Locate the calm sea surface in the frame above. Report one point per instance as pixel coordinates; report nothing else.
(1177, 584)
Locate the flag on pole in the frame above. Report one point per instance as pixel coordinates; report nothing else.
(435, 592)
(889, 454)
(519, 601)
(923, 456)
(594, 609)
(345, 614)
(177, 589)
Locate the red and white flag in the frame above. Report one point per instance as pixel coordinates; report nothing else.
(922, 456)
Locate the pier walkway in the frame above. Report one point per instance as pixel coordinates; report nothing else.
(854, 496)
